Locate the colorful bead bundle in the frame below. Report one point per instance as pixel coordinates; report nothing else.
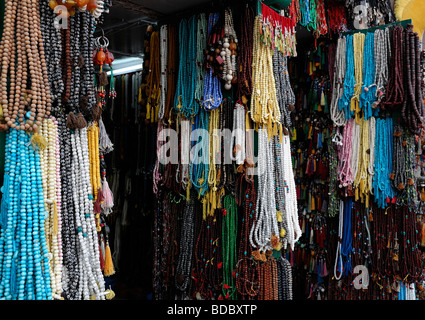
(222, 171)
(50, 246)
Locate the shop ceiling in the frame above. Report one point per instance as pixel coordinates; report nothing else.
(125, 24)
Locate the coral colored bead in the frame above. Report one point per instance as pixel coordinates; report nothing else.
(109, 58)
(91, 5)
(100, 56)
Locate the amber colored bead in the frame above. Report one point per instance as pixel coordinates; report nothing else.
(71, 11)
(232, 46)
(71, 3)
(53, 4)
(100, 56)
(82, 3)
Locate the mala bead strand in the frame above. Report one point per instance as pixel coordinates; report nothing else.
(49, 172)
(336, 113)
(91, 283)
(163, 45)
(228, 53)
(282, 217)
(291, 205)
(382, 49)
(264, 106)
(201, 45)
(184, 261)
(69, 242)
(358, 48)
(91, 225)
(25, 265)
(285, 95)
(266, 220)
(361, 180)
(229, 235)
(246, 56)
(247, 276)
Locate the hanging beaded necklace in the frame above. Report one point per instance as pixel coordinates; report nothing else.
(25, 272)
(31, 50)
(381, 54)
(171, 71)
(184, 260)
(184, 100)
(212, 86)
(368, 94)
(280, 185)
(163, 44)
(245, 56)
(199, 170)
(50, 176)
(246, 280)
(264, 106)
(228, 53)
(91, 282)
(153, 90)
(53, 52)
(358, 48)
(361, 181)
(284, 93)
(229, 235)
(201, 44)
(336, 112)
(413, 107)
(382, 188)
(69, 241)
(395, 89)
(266, 220)
(349, 80)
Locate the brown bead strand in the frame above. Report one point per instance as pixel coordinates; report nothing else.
(45, 92)
(22, 80)
(6, 45)
(274, 280)
(29, 52)
(33, 69)
(67, 64)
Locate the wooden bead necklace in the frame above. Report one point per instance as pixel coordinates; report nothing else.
(31, 49)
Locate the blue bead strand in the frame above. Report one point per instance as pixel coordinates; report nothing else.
(200, 167)
(24, 269)
(368, 95)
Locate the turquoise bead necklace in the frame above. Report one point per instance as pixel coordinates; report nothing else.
(24, 269)
(200, 167)
(368, 95)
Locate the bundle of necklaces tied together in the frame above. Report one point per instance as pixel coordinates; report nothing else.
(53, 239)
(226, 214)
